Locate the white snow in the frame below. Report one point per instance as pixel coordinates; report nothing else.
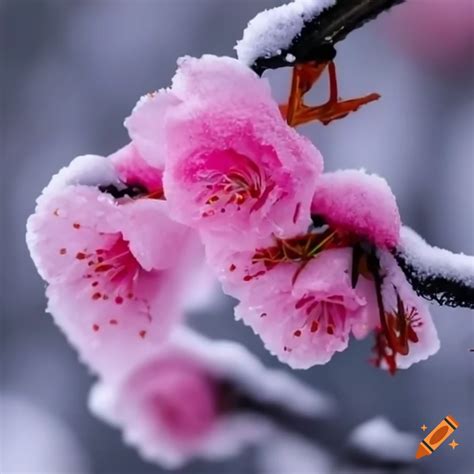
(86, 170)
(273, 30)
(377, 438)
(433, 261)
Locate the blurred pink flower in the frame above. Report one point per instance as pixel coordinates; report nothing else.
(232, 163)
(440, 32)
(185, 401)
(358, 203)
(114, 260)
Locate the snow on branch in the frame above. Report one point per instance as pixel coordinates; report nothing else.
(436, 274)
(303, 30)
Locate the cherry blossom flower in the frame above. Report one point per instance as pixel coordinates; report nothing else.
(191, 399)
(305, 321)
(102, 239)
(232, 163)
(305, 295)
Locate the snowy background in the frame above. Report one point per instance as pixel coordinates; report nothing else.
(71, 70)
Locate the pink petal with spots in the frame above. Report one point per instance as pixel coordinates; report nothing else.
(304, 323)
(117, 268)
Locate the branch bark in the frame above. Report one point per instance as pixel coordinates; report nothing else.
(318, 37)
(436, 274)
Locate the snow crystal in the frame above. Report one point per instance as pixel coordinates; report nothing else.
(273, 30)
(434, 261)
(378, 439)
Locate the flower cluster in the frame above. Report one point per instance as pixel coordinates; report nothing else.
(212, 161)
(213, 175)
(306, 253)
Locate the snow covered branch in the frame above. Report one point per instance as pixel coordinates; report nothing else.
(304, 30)
(436, 274)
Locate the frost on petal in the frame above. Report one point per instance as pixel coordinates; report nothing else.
(359, 203)
(275, 29)
(87, 170)
(64, 228)
(410, 326)
(232, 163)
(305, 321)
(182, 403)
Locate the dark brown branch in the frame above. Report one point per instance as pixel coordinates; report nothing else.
(318, 37)
(436, 274)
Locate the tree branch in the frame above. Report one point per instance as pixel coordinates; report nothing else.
(434, 273)
(317, 38)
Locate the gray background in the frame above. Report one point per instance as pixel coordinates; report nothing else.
(72, 70)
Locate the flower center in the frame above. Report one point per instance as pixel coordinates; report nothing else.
(321, 315)
(300, 249)
(113, 271)
(236, 185)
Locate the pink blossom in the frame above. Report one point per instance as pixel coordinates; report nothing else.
(406, 333)
(305, 321)
(232, 163)
(114, 264)
(358, 203)
(185, 400)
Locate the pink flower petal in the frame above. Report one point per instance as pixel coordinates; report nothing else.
(420, 319)
(359, 203)
(134, 170)
(304, 323)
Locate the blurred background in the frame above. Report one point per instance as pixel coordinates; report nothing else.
(71, 70)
